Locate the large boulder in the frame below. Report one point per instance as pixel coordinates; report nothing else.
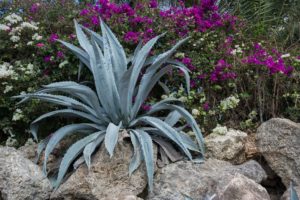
(201, 180)
(107, 179)
(278, 140)
(228, 147)
(21, 179)
(243, 188)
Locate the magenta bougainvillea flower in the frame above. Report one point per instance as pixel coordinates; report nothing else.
(47, 58)
(153, 4)
(34, 7)
(274, 63)
(132, 37)
(40, 45)
(60, 54)
(221, 72)
(53, 37)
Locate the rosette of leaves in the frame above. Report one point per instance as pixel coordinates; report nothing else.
(120, 91)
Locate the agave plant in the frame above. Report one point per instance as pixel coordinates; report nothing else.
(114, 106)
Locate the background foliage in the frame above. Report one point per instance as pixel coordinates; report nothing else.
(244, 58)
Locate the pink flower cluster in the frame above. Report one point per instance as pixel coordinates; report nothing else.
(181, 20)
(221, 72)
(34, 7)
(53, 37)
(131, 36)
(274, 63)
(198, 17)
(188, 62)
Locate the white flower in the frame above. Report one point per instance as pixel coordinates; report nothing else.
(195, 112)
(30, 43)
(29, 25)
(179, 55)
(13, 18)
(233, 52)
(183, 99)
(286, 55)
(30, 69)
(7, 89)
(36, 36)
(3, 27)
(6, 70)
(237, 50)
(221, 130)
(14, 38)
(164, 96)
(61, 65)
(229, 103)
(11, 142)
(18, 114)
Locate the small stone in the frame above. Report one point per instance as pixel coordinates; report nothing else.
(229, 147)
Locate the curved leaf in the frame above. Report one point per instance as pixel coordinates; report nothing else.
(84, 93)
(105, 82)
(34, 126)
(137, 155)
(59, 135)
(83, 56)
(71, 155)
(130, 77)
(170, 151)
(59, 100)
(147, 150)
(165, 129)
(118, 57)
(111, 137)
(173, 118)
(97, 37)
(187, 116)
(90, 148)
(83, 39)
(149, 80)
(41, 146)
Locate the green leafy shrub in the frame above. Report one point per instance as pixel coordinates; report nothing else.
(214, 54)
(115, 105)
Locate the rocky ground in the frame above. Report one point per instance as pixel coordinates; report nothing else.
(258, 166)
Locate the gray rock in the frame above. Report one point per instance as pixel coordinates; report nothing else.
(107, 179)
(29, 150)
(20, 179)
(229, 147)
(278, 140)
(243, 188)
(200, 180)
